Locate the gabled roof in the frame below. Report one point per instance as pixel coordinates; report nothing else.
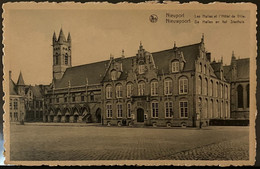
(216, 67)
(79, 75)
(94, 72)
(20, 80)
(190, 53)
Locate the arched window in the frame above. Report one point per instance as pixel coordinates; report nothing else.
(240, 102)
(66, 59)
(154, 108)
(56, 59)
(210, 87)
(129, 110)
(217, 109)
(154, 88)
(119, 110)
(168, 87)
(216, 89)
(184, 109)
(221, 90)
(205, 69)
(226, 113)
(141, 88)
(248, 96)
(183, 85)
(206, 109)
(199, 85)
(119, 91)
(206, 87)
(129, 88)
(200, 67)
(109, 92)
(175, 66)
(211, 113)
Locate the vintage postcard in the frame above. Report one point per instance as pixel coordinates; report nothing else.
(129, 84)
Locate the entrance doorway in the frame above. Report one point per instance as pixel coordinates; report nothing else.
(98, 115)
(67, 118)
(140, 115)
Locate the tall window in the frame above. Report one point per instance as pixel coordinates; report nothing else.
(155, 109)
(175, 66)
(154, 88)
(15, 104)
(109, 92)
(119, 91)
(82, 98)
(206, 109)
(11, 104)
(184, 109)
(119, 111)
(66, 59)
(240, 103)
(141, 88)
(216, 89)
(205, 69)
(221, 90)
(129, 90)
(183, 85)
(199, 85)
(92, 97)
(247, 95)
(200, 67)
(226, 92)
(168, 109)
(206, 87)
(212, 109)
(109, 110)
(141, 69)
(56, 59)
(128, 110)
(210, 88)
(168, 87)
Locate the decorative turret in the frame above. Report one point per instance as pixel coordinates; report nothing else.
(54, 38)
(61, 37)
(202, 38)
(21, 85)
(233, 66)
(69, 38)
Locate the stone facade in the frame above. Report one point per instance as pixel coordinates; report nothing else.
(237, 74)
(26, 101)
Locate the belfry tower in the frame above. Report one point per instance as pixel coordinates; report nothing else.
(61, 54)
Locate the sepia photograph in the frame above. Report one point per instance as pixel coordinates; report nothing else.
(129, 84)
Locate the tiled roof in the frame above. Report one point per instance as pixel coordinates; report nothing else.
(190, 53)
(37, 92)
(77, 75)
(216, 67)
(20, 80)
(94, 72)
(227, 72)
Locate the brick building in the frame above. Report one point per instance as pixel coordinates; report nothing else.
(174, 87)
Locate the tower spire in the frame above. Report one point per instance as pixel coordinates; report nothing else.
(20, 81)
(202, 37)
(61, 36)
(69, 38)
(54, 38)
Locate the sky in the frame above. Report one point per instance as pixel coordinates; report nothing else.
(97, 33)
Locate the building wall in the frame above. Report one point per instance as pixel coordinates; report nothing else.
(85, 108)
(17, 109)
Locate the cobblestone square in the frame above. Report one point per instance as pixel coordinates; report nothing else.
(43, 142)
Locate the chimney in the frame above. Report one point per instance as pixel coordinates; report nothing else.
(10, 74)
(208, 55)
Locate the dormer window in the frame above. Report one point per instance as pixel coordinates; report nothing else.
(113, 75)
(141, 69)
(175, 66)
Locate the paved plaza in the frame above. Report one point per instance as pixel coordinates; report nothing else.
(43, 142)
